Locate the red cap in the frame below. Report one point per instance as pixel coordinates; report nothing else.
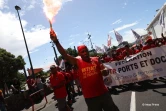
(81, 47)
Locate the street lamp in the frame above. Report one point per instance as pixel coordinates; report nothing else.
(18, 8)
(56, 61)
(89, 37)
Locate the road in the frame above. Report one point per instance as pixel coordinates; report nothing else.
(151, 98)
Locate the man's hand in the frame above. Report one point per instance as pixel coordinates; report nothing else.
(53, 35)
(105, 72)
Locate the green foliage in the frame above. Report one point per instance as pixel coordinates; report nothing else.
(114, 47)
(99, 54)
(60, 57)
(9, 65)
(92, 54)
(72, 52)
(21, 77)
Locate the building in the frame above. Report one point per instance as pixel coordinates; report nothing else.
(154, 26)
(37, 70)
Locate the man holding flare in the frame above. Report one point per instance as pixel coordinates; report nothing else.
(90, 72)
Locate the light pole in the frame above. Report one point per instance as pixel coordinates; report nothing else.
(89, 37)
(18, 8)
(55, 53)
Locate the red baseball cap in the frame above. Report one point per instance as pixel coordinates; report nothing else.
(81, 47)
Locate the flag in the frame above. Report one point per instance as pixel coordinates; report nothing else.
(109, 41)
(62, 64)
(105, 48)
(161, 19)
(99, 49)
(119, 38)
(137, 36)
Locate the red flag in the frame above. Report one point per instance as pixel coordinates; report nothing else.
(109, 41)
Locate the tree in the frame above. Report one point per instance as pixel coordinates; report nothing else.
(114, 47)
(21, 77)
(72, 52)
(92, 54)
(9, 66)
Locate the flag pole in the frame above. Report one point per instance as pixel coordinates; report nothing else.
(115, 35)
(134, 35)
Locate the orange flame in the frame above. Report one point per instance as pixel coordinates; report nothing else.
(51, 9)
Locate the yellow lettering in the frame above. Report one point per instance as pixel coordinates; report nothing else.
(83, 70)
(91, 68)
(88, 71)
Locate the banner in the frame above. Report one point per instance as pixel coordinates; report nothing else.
(145, 65)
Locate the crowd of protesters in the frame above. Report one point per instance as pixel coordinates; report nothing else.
(127, 51)
(89, 71)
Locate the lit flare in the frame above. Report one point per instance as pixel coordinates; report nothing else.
(51, 9)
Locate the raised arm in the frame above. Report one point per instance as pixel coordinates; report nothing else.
(61, 50)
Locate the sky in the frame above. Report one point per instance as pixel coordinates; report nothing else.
(74, 20)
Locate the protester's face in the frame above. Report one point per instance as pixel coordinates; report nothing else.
(53, 70)
(84, 54)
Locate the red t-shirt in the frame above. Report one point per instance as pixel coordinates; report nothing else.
(106, 59)
(56, 80)
(68, 77)
(90, 77)
(30, 82)
(137, 51)
(116, 59)
(120, 57)
(127, 53)
(148, 47)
